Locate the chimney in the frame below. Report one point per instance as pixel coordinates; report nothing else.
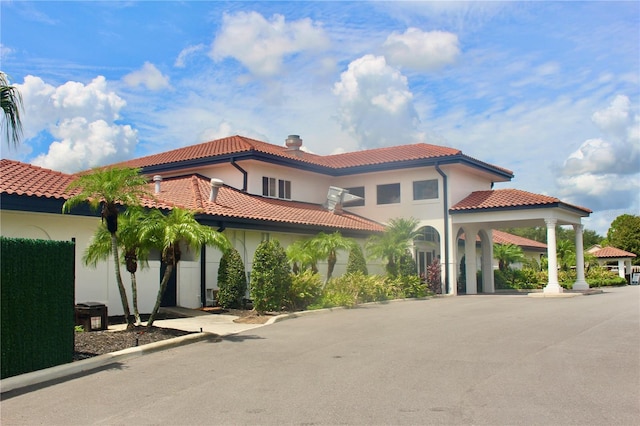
(294, 143)
(216, 184)
(157, 179)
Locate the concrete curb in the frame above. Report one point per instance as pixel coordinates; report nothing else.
(60, 371)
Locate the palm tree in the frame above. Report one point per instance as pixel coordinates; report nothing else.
(134, 249)
(11, 101)
(167, 232)
(506, 254)
(566, 254)
(393, 243)
(109, 188)
(302, 256)
(327, 246)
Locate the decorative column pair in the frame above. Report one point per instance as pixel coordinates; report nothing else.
(553, 286)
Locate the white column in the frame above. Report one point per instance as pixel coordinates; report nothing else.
(470, 260)
(552, 285)
(621, 267)
(581, 283)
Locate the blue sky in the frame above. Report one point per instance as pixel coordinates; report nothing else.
(550, 90)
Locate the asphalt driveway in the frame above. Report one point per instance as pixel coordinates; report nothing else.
(455, 360)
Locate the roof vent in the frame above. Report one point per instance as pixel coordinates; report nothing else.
(294, 143)
(336, 198)
(216, 184)
(157, 179)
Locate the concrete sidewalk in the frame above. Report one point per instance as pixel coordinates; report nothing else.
(204, 325)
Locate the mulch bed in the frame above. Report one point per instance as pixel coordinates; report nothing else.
(94, 343)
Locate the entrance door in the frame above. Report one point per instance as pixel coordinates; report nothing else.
(423, 259)
(170, 296)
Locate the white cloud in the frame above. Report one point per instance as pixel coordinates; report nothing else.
(420, 50)
(376, 103)
(261, 45)
(185, 53)
(605, 173)
(80, 118)
(148, 76)
(83, 144)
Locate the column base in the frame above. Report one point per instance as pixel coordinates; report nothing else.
(581, 285)
(553, 289)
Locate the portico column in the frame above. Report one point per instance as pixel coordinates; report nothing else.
(621, 268)
(581, 283)
(552, 268)
(470, 257)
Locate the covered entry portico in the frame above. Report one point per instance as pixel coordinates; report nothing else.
(482, 211)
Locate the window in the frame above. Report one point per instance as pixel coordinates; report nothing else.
(389, 193)
(284, 189)
(425, 189)
(269, 188)
(359, 191)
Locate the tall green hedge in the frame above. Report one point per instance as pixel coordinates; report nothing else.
(37, 304)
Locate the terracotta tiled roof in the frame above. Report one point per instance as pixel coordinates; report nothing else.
(24, 179)
(220, 147)
(189, 192)
(504, 198)
(501, 237)
(192, 192)
(609, 252)
(243, 145)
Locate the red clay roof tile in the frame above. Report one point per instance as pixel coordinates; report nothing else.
(612, 252)
(24, 179)
(501, 237)
(503, 198)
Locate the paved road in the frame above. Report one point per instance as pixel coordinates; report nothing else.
(462, 360)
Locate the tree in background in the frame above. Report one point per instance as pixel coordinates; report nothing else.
(167, 232)
(566, 254)
(624, 233)
(507, 254)
(303, 256)
(232, 280)
(11, 101)
(110, 189)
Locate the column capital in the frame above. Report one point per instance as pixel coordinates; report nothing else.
(578, 226)
(551, 222)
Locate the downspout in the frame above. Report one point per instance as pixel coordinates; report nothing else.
(203, 275)
(445, 191)
(244, 174)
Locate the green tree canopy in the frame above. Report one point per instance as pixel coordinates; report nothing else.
(624, 233)
(11, 102)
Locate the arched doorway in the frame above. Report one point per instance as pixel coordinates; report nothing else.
(427, 249)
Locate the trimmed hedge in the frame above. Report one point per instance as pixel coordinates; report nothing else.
(37, 304)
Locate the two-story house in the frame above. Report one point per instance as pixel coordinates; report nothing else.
(253, 190)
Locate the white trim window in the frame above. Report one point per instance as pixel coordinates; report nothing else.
(276, 188)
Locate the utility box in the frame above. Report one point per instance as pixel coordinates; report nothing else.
(92, 316)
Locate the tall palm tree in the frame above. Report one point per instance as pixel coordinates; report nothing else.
(11, 101)
(108, 189)
(506, 254)
(393, 243)
(167, 232)
(327, 246)
(134, 250)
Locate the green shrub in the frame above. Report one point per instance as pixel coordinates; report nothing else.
(270, 277)
(232, 280)
(357, 262)
(406, 286)
(306, 289)
(602, 277)
(406, 265)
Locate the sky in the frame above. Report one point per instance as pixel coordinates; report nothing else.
(549, 90)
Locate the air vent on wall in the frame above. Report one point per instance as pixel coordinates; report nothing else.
(336, 197)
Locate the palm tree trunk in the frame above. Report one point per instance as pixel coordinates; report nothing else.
(331, 263)
(134, 296)
(121, 289)
(163, 286)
